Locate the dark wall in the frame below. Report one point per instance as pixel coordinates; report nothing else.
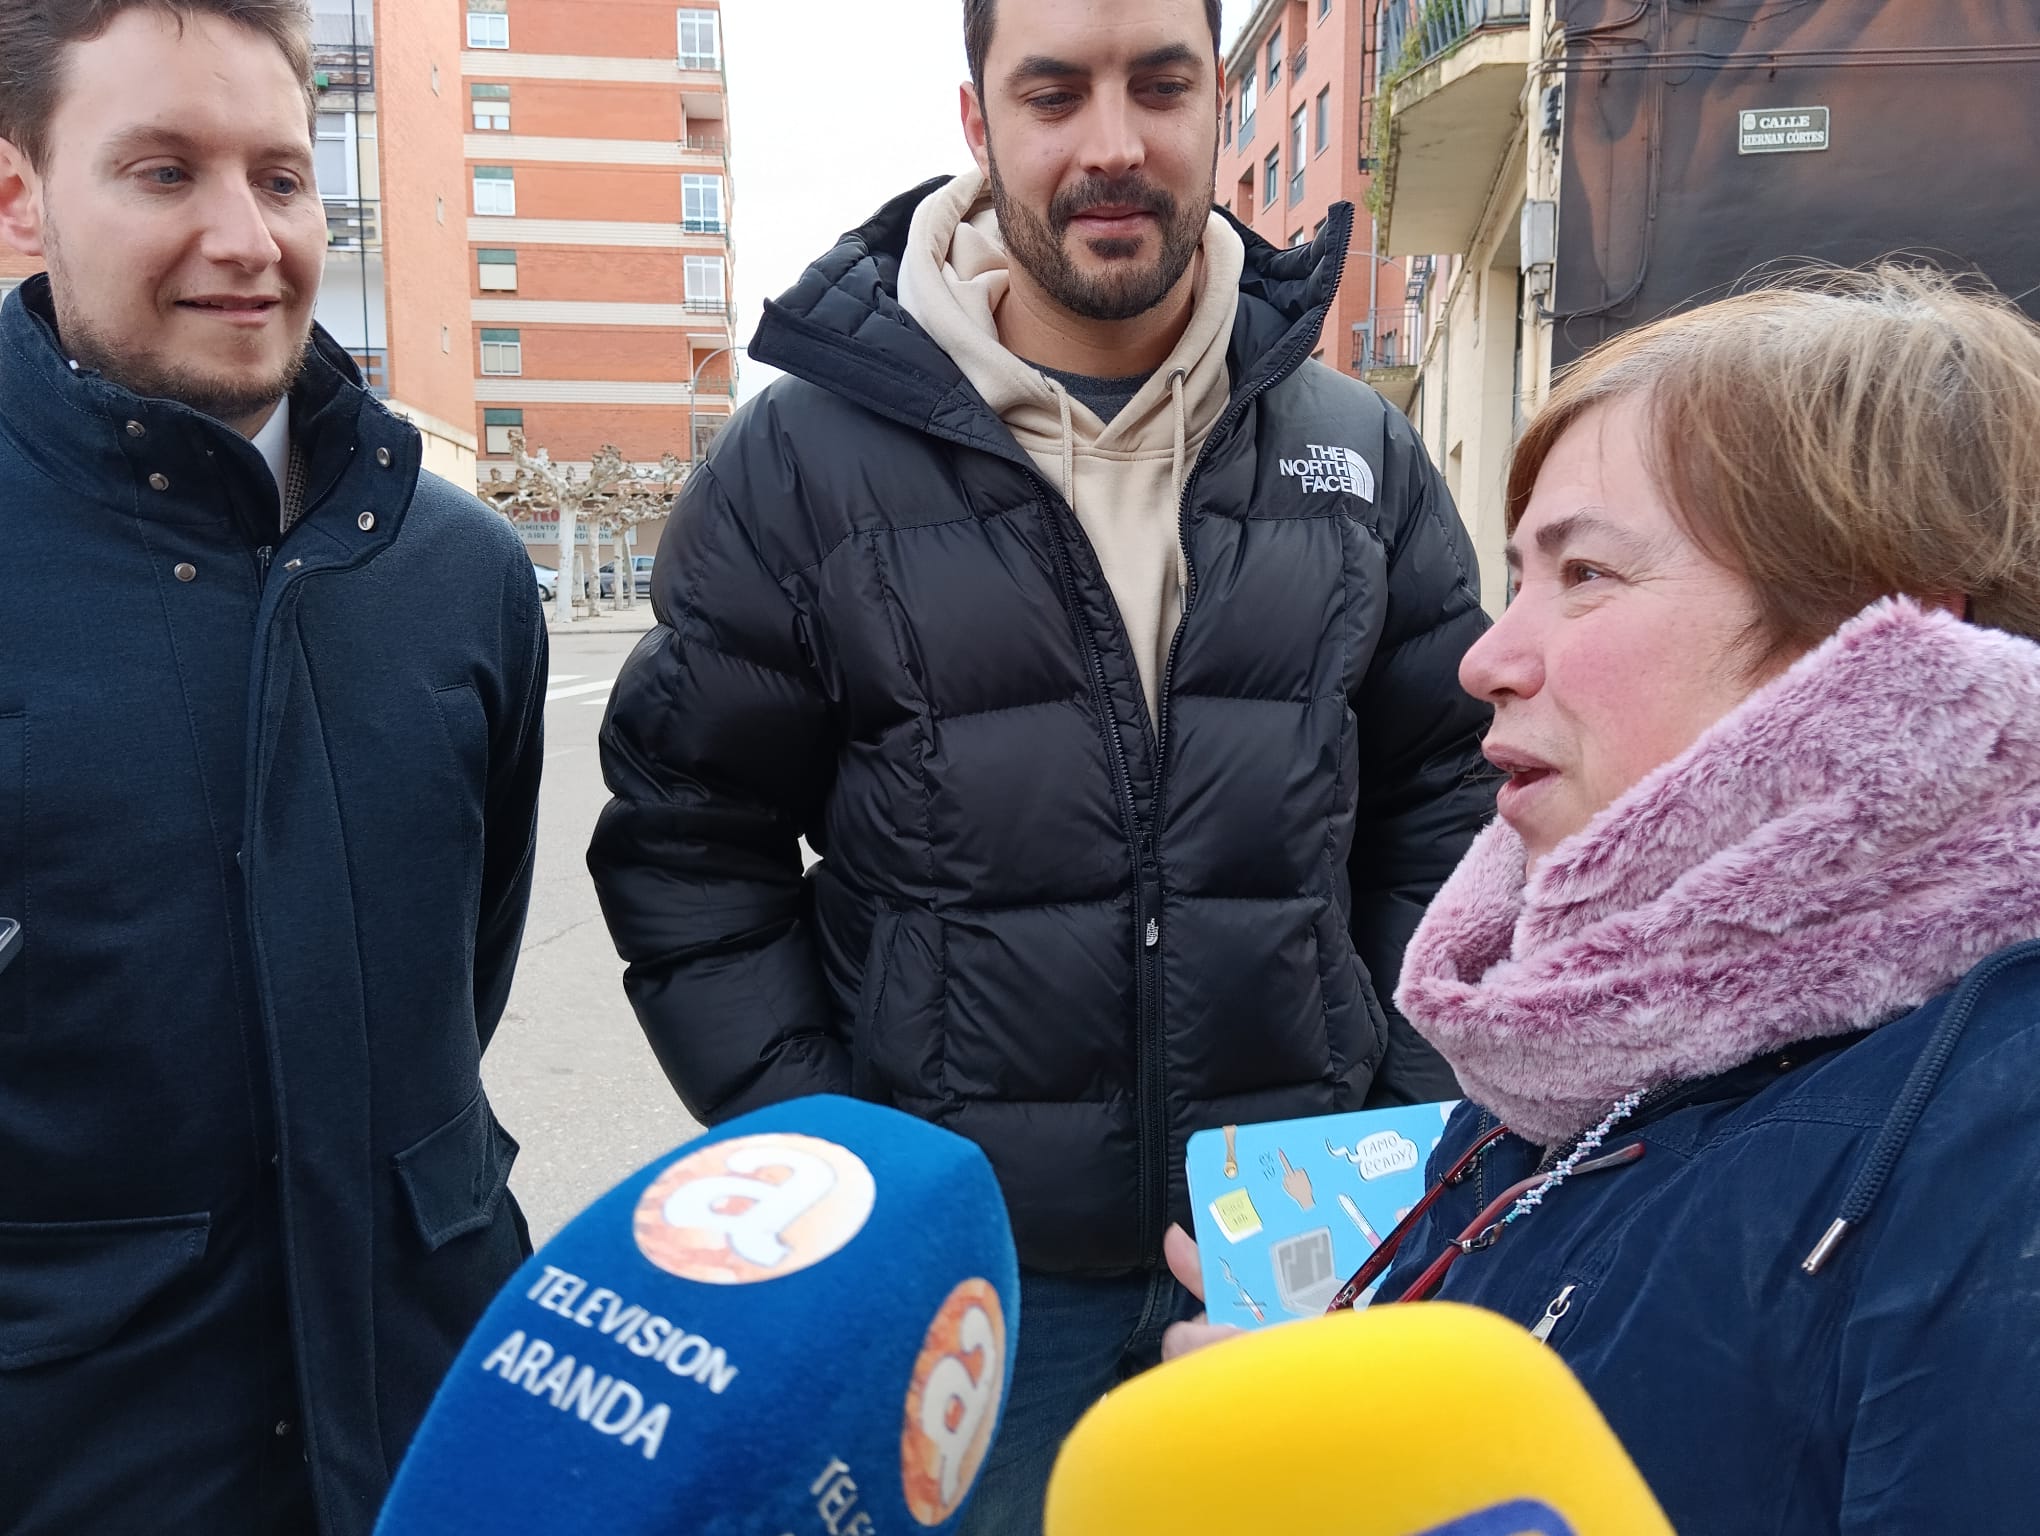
(1934, 147)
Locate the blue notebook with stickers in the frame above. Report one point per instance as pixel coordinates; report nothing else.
(1286, 1210)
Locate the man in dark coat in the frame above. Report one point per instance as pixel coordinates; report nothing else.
(269, 751)
(1103, 646)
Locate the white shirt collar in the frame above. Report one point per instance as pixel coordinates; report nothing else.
(273, 443)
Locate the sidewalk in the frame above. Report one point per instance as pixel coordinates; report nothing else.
(631, 621)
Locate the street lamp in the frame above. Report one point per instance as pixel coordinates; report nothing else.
(692, 384)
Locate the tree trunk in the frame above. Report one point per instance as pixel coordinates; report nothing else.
(563, 598)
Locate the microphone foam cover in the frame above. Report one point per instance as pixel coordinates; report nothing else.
(802, 1321)
(1430, 1419)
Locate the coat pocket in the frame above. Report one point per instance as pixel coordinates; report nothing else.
(866, 1082)
(14, 867)
(453, 1179)
(66, 1287)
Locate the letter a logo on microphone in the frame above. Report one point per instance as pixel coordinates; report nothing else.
(753, 1208)
(953, 1402)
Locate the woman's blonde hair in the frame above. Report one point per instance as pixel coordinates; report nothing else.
(1836, 437)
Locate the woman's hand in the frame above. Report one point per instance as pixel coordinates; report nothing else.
(1180, 1249)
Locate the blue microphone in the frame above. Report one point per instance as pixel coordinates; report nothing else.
(803, 1321)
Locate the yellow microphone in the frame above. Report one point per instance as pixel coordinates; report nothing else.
(1371, 1423)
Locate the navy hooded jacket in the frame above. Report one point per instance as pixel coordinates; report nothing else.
(266, 817)
(1892, 1390)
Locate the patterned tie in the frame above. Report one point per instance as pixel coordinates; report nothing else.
(293, 488)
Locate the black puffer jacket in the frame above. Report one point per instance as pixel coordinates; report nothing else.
(1039, 920)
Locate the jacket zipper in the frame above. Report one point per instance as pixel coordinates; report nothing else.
(1560, 1305)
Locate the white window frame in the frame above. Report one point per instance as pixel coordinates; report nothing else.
(484, 268)
(502, 199)
(1323, 111)
(496, 435)
(493, 30)
(345, 137)
(490, 114)
(1250, 98)
(694, 187)
(694, 58)
(502, 359)
(699, 295)
(1274, 58)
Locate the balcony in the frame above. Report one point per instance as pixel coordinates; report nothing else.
(1246, 135)
(1387, 348)
(695, 306)
(1454, 82)
(353, 225)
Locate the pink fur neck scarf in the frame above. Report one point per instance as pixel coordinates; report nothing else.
(1839, 848)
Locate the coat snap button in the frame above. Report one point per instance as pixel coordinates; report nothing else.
(382, 457)
(136, 429)
(184, 570)
(282, 1428)
(366, 521)
(159, 481)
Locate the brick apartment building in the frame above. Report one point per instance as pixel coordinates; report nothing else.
(1294, 138)
(598, 222)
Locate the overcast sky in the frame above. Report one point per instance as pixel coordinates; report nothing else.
(833, 109)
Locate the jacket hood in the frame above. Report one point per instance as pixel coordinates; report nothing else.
(1838, 850)
(843, 327)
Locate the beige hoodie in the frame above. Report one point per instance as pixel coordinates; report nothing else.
(1124, 479)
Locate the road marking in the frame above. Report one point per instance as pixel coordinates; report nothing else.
(565, 677)
(567, 693)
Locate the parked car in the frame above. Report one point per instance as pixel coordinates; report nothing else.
(641, 565)
(548, 581)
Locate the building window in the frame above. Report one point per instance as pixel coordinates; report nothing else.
(498, 271)
(502, 352)
(1271, 182)
(698, 48)
(496, 428)
(701, 204)
(1227, 132)
(1298, 237)
(1296, 155)
(491, 107)
(1274, 57)
(705, 283)
(333, 154)
(1324, 118)
(1244, 208)
(1324, 9)
(495, 190)
(486, 30)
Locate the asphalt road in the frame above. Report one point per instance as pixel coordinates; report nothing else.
(569, 1072)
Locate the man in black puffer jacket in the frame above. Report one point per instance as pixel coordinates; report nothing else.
(1115, 687)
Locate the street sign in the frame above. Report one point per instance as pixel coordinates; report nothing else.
(1781, 130)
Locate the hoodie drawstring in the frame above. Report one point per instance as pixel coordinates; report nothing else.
(1069, 446)
(1182, 426)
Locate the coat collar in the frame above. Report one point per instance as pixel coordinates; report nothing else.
(842, 327)
(163, 461)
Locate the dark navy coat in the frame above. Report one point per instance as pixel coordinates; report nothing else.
(1892, 1392)
(266, 816)
(1039, 920)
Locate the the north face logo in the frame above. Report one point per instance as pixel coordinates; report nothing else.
(1331, 468)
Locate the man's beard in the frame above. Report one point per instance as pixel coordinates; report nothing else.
(1123, 289)
(227, 399)
(224, 399)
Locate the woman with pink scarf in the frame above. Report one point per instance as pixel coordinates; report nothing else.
(1742, 987)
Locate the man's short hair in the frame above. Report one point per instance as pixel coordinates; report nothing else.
(35, 33)
(977, 35)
